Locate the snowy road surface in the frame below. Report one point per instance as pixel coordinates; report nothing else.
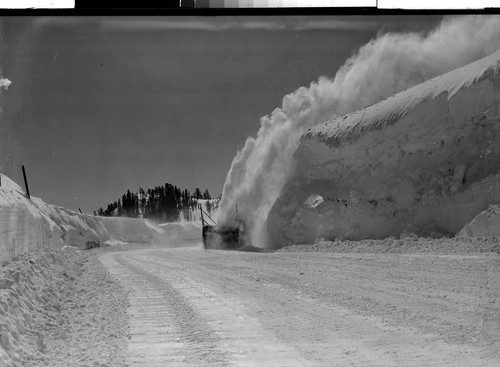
(218, 308)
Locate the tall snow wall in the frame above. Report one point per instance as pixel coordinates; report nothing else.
(426, 161)
(28, 224)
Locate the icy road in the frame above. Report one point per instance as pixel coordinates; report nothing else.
(219, 308)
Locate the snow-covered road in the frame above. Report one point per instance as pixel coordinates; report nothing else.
(217, 308)
(177, 320)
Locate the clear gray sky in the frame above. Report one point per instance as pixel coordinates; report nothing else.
(99, 105)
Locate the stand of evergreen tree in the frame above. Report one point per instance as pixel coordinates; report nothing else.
(162, 203)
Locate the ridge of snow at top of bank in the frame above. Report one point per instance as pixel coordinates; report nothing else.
(349, 127)
(11, 195)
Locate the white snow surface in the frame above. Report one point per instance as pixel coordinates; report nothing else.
(424, 161)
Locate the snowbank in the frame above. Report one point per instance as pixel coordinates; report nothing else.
(25, 224)
(408, 245)
(61, 308)
(485, 224)
(28, 224)
(424, 161)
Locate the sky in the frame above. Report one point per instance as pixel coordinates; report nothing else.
(99, 105)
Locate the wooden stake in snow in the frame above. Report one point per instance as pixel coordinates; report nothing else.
(26, 184)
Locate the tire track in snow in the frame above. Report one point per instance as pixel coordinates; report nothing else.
(240, 330)
(312, 321)
(206, 328)
(298, 309)
(164, 327)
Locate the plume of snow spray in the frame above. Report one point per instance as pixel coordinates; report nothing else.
(384, 66)
(6, 140)
(4, 83)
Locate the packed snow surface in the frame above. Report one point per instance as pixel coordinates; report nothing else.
(190, 307)
(424, 161)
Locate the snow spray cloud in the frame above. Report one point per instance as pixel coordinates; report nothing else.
(384, 66)
(6, 139)
(4, 83)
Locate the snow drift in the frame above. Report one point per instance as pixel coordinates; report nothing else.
(425, 161)
(384, 66)
(28, 224)
(61, 308)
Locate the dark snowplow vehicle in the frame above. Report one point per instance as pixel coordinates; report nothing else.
(230, 236)
(224, 237)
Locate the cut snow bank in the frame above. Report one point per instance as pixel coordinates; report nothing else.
(424, 161)
(28, 224)
(25, 224)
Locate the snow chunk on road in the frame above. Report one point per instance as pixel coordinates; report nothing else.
(313, 201)
(485, 224)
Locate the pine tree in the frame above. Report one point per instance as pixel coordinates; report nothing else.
(197, 193)
(162, 203)
(119, 209)
(142, 199)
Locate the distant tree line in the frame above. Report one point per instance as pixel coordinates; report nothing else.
(166, 203)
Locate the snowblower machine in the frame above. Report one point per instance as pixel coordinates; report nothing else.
(230, 236)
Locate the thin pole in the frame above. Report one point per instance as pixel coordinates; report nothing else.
(80, 210)
(26, 183)
(202, 220)
(204, 212)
